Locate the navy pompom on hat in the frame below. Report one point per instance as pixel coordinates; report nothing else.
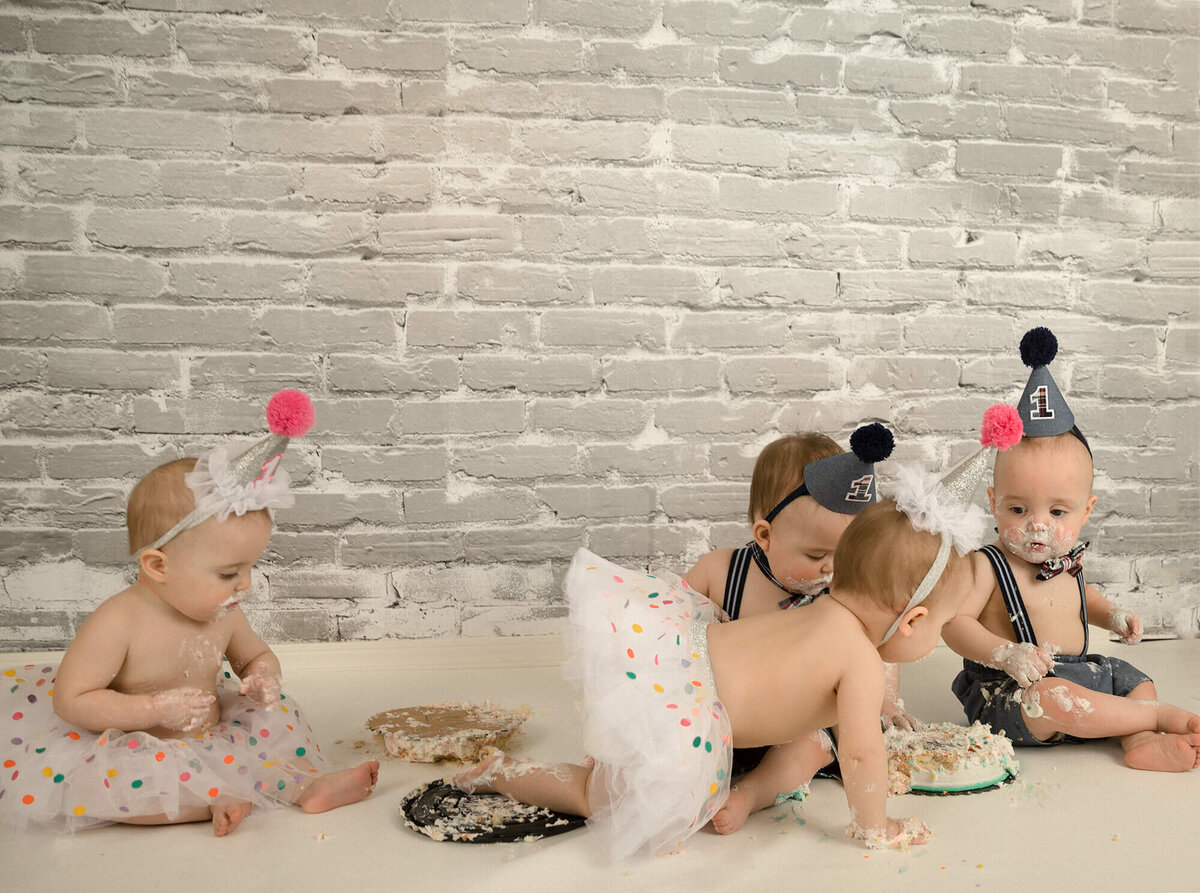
(1043, 408)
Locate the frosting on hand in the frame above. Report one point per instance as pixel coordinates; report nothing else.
(182, 709)
(1023, 661)
(1127, 625)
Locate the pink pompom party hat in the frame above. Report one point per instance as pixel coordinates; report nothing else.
(227, 484)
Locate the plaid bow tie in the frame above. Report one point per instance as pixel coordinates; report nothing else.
(1072, 563)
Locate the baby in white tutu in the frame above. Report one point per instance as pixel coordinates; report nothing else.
(139, 725)
(667, 690)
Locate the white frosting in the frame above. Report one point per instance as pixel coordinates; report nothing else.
(944, 757)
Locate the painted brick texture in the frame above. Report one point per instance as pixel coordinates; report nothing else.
(554, 271)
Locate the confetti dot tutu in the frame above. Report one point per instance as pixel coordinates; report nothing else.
(57, 776)
(653, 722)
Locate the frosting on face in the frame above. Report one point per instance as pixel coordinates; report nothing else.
(1036, 541)
(1041, 498)
(815, 586)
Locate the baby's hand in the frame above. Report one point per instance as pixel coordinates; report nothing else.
(182, 709)
(262, 686)
(1127, 625)
(901, 720)
(1023, 661)
(900, 834)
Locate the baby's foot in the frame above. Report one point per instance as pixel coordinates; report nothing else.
(1177, 720)
(480, 777)
(228, 816)
(340, 788)
(733, 814)
(1164, 752)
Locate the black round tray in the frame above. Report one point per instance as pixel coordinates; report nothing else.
(443, 812)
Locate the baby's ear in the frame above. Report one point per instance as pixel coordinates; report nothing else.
(910, 617)
(153, 563)
(762, 534)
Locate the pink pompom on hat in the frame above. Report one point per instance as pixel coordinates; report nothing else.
(226, 484)
(946, 505)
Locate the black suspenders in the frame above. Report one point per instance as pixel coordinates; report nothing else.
(735, 581)
(1014, 604)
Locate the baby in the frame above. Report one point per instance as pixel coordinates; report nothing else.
(1044, 687)
(667, 689)
(789, 562)
(790, 558)
(139, 725)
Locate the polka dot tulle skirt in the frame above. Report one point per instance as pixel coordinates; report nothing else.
(652, 718)
(57, 776)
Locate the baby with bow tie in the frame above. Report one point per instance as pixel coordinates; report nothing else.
(1044, 687)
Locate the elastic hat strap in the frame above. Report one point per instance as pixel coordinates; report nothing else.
(783, 503)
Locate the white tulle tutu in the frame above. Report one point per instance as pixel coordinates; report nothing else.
(653, 721)
(58, 776)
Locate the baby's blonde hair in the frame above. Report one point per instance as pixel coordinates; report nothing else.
(158, 502)
(779, 468)
(883, 558)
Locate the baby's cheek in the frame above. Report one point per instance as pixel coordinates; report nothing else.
(1062, 539)
(1013, 535)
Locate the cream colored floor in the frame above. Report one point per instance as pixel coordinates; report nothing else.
(1076, 819)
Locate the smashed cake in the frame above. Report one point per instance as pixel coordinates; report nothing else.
(446, 731)
(944, 758)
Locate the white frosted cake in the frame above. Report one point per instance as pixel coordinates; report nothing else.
(446, 731)
(944, 758)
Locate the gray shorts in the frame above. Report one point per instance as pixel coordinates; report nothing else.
(993, 697)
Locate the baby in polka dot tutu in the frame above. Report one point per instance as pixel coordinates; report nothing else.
(139, 724)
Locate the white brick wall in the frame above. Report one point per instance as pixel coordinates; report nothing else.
(554, 271)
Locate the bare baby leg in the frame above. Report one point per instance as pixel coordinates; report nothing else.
(562, 787)
(1154, 736)
(197, 814)
(785, 768)
(225, 817)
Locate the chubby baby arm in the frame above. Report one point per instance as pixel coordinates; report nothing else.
(1023, 661)
(892, 713)
(254, 662)
(863, 759)
(704, 574)
(967, 637)
(82, 696)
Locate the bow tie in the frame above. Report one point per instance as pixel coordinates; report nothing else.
(1072, 563)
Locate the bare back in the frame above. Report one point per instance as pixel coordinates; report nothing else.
(784, 674)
